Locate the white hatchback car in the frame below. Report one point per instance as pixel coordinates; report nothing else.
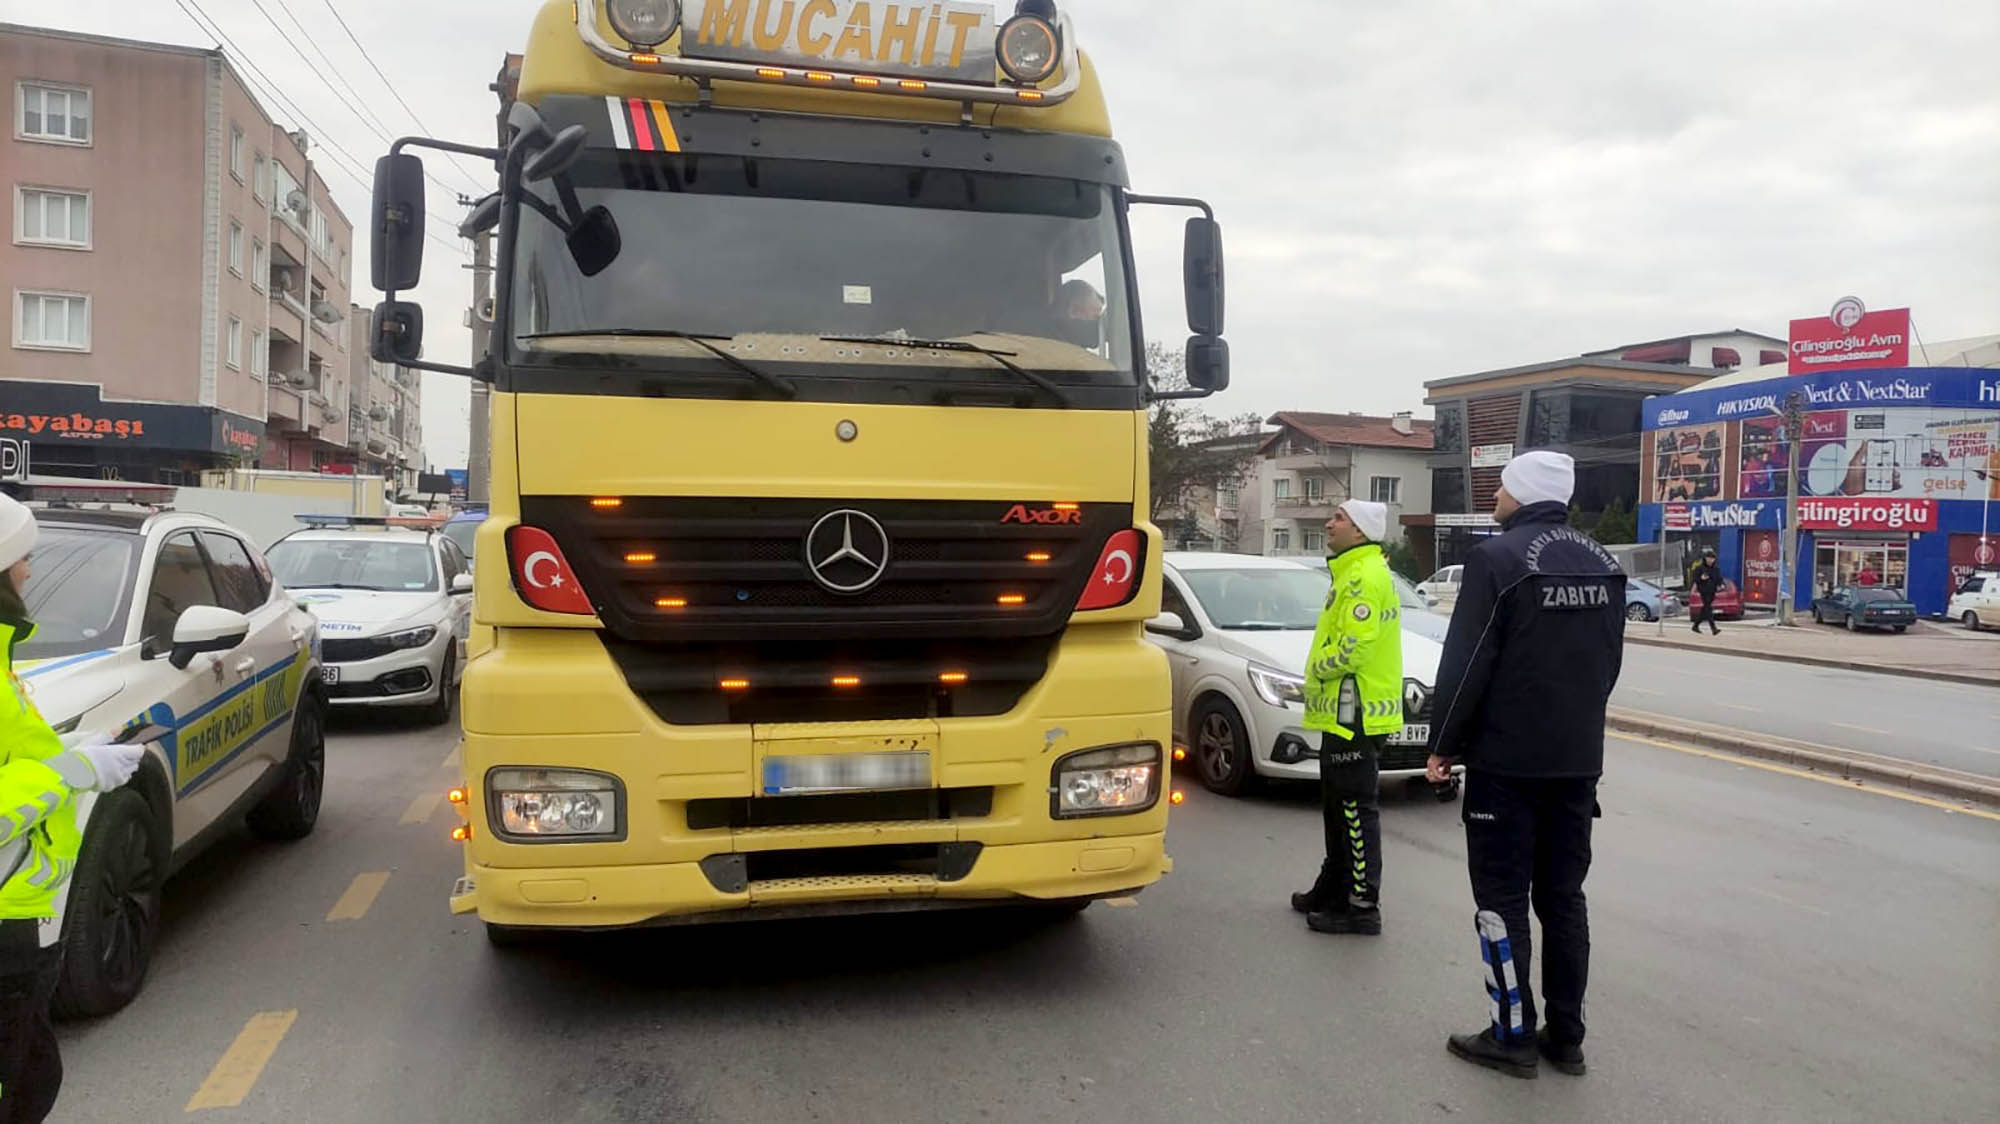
(394, 603)
(1977, 603)
(169, 621)
(1237, 630)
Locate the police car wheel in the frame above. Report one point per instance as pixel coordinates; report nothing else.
(439, 712)
(1221, 748)
(292, 808)
(113, 915)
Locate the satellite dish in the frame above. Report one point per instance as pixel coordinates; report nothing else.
(326, 312)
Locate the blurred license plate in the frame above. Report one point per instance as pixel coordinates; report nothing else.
(1419, 734)
(846, 772)
(329, 675)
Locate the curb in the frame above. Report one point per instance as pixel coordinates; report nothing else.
(1821, 661)
(1846, 763)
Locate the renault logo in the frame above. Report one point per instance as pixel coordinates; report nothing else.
(847, 551)
(1415, 698)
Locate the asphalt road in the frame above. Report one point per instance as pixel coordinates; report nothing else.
(1956, 725)
(1768, 947)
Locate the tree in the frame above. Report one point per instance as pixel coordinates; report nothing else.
(1402, 558)
(1618, 524)
(1189, 449)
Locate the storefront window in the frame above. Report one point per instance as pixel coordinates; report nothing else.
(1862, 563)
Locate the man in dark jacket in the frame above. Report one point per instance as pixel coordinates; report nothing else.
(1707, 583)
(1535, 647)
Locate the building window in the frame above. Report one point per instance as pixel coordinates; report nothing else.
(236, 247)
(1448, 494)
(283, 187)
(1314, 542)
(260, 355)
(1449, 432)
(236, 153)
(257, 174)
(1385, 489)
(1315, 488)
(56, 321)
(1281, 538)
(260, 264)
(1228, 496)
(233, 345)
(56, 114)
(1281, 488)
(47, 217)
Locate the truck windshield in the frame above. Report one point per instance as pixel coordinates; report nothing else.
(803, 266)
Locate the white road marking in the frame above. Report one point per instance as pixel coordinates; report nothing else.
(1863, 729)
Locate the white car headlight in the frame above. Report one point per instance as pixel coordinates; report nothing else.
(555, 804)
(1279, 688)
(409, 637)
(1110, 781)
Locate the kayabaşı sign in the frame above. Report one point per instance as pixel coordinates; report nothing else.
(44, 413)
(914, 38)
(1850, 338)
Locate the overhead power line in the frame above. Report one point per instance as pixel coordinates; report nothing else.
(383, 128)
(394, 93)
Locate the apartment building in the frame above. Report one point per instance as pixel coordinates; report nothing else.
(178, 276)
(386, 414)
(1315, 461)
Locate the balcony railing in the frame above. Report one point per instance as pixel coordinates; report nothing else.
(1318, 508)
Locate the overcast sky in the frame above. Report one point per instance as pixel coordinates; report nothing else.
(1408, 190)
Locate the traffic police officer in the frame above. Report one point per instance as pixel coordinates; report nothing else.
(1535, 646)
(1354, 697)
(39, 779)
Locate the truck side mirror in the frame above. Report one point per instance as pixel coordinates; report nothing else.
(594, 242)
(396, 234)
(1201, 267)
(396, 332)
(1208, 363)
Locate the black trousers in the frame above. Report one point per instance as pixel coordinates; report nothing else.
(30, 1067)
(1703, 609)
(1349, 772)
(1527, 841)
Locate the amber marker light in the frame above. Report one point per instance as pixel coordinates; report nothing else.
(461, 833)
(818, 76)
(735, 684)
(1013, 599)
(953, 678)
(770, 72)
(1029, 95)
(867, 83)
(642, 558)
(1178, 798)
(1180, 753)
(672, 603)
(1064, 506)
(1040, 556)
(913, 86)
(607, 503)
(846, 681)
(653, 60)
(456, 796)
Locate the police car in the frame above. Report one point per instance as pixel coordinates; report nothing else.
(169, 628)
(394, 601)
(1237, 630)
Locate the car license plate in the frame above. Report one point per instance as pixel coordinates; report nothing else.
(329, 675)
(1418, 734)
(846, 772)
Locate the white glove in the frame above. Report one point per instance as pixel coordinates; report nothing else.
(110, 765)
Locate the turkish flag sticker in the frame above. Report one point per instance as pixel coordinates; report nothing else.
(542, 575)
(1117, 575)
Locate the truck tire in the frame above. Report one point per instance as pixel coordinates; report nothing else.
(290, 810)
(113, 916)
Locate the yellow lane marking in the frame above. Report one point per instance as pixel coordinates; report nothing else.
(1753, 763)
(1863, 729)
(353, 905)
(1121, 903)
(450, 759)
(240, 1066)
(422, 807)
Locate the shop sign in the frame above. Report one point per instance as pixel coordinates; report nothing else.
(1868, 514)
(1850, 338)
(1938, 388)
(78, 414)
(13, 461)
(1970, 553)
(1679, 518)
(1761, 561)
(1492, 456)
(1465, 520)
(1725, 514)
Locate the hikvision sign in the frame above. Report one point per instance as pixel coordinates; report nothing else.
(1850, 337)
(1843, 514)
(1848, 392)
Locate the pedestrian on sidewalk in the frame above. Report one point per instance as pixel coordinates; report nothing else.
(1354, 697)
(1533, 652)
(39, 838)
(1707, 583)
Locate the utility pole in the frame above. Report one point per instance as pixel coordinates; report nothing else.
(1795, 425)
(479, 464)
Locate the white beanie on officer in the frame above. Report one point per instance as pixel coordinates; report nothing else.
(1540, 477)
(1371, 519)
(17, 531)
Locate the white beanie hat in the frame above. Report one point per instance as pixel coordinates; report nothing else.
(1371, 519)
(17, 531)
(1539, 477)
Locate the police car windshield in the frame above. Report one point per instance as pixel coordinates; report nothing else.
(1260, 600)
(385, 567)
(79, 591)
(770, 258)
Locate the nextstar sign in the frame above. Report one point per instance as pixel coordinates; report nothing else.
(1853, 341)
(1716, 515)
(1937, 387)
(1844, 514)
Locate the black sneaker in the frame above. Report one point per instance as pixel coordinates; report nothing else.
(1366, 922)
(1483, 1049)
(1305, 902)
(1565, 1056)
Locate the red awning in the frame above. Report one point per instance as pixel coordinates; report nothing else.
(1767, 357)
(1675, 351)
(1725, 357)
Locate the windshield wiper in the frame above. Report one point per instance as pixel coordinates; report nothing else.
(999, 357)
(703, 340)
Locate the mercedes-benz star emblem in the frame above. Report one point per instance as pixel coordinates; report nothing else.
(847, 551)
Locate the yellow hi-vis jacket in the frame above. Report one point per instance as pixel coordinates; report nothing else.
(38, 782)
(1360, 637)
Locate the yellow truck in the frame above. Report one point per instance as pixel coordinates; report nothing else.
(818, 552)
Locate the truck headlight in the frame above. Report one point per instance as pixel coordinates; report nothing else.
(1029, 48)
(530, 805)
(1279, 688)
(1110, 781)
(644, 23)
(410, 637)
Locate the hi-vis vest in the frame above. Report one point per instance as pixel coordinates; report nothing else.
(1359, 638)
(38, 833)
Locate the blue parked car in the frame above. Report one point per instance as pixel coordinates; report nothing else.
(463, 528)
(1860, 607)
(1646, 601)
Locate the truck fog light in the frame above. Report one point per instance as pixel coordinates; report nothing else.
(555, 804)
(1109, 781)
